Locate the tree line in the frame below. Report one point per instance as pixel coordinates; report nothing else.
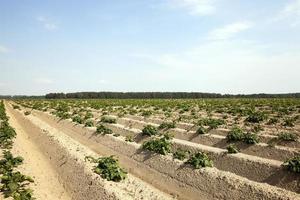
(161, 95)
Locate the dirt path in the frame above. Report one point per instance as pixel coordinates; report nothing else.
(46, 185)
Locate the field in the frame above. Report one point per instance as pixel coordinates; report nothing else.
(151, 149)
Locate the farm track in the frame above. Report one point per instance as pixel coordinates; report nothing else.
(67, 157)
(227, 184)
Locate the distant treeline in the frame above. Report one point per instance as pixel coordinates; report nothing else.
(20, 97)
(160, 95)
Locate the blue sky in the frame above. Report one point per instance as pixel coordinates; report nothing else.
(224, 46)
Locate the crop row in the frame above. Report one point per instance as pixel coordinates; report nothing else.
(13, 182)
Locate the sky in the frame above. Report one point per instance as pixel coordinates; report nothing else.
(221, 46)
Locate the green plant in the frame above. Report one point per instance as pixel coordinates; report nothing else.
(149, 130)
(167, 125)
(287, 137)
(211, 123)
(293, 164)
(180, 154)
(16, 107)
(235, 134)
(7, 134)
(160, 145)
(9, 162)
(256, 117)
(200, 160)
(201, 130)
(27, 113)
(77, 119)
(108, 120)
(257, 128)
(108, 168)
(88, 115)
(146, 113)
(129, 138)
(290, 122)
(89, 123)
(232, 149)
(273, 121)
(250, 138)
(101, 129)
(14, 185)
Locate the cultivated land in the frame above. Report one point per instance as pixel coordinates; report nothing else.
(166, 149)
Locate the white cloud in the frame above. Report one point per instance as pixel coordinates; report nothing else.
(47, 24)
(292, 8)
(2, 84)
(227, 66)
(195, 7)
(4, 49)
(43, 80)
(291, 12)
(229, 31)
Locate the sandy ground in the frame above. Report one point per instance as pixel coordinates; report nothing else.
(46, 185)
(212, 179)
(209, 182)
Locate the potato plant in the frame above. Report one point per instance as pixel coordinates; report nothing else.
(231, 149)
(149, 130)
(293, 164)
(108, 168)
(108, 120)
(101, 129)
(199, 160)
(167, 125)
(160, 145)
(180, 154)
